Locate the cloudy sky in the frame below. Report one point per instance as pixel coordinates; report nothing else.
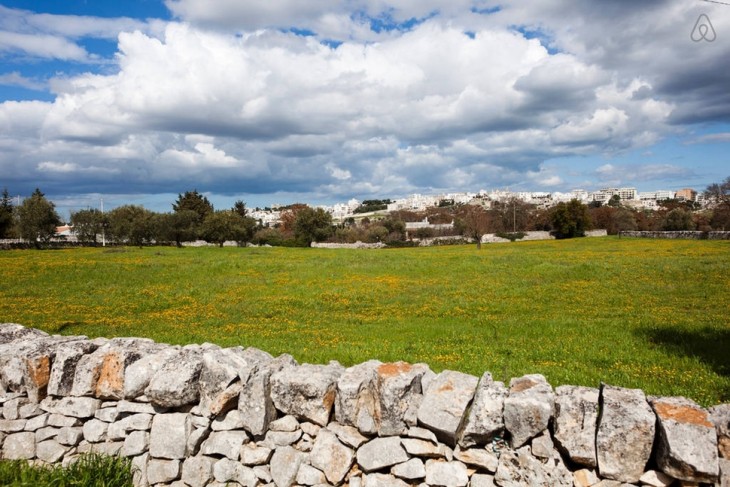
(321, 101)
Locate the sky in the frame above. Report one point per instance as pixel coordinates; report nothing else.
(283, 101)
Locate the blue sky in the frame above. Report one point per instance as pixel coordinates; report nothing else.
(320, 101)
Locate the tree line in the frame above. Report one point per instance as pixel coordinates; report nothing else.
(193, 217)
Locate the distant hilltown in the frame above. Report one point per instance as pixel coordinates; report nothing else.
(418, 202)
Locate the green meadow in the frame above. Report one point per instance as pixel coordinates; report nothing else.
(653, 314)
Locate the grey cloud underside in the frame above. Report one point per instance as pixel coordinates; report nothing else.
(219, 103)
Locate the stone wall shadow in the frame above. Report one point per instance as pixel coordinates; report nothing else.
(709, 345)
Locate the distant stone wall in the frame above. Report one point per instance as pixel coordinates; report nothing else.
(679, 235)
(356, 245)
(201, 415)
(537, 235)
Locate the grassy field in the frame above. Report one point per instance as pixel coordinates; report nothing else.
(653, 314)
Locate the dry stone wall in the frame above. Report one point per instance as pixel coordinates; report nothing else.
(687, 235)
(201, 415)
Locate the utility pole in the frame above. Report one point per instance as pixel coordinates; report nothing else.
(514, 216)
(103, 239)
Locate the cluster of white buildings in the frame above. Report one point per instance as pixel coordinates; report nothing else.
(418, 202)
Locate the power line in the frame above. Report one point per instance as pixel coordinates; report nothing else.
(716, 1)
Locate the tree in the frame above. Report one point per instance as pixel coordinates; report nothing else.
(37, 219)
(179, 226)
(221, 226)
(678, 219)
(570, 219)
(192, 200)
(249, 223)
(6, 214)
(719, 197)
(312, 226)
(131, 224)
(88, 224)
(475, 221)
(615, 201)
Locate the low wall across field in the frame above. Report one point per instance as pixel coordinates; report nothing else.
(691, 235)
(201, 415)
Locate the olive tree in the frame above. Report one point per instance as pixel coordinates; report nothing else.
(37, 219)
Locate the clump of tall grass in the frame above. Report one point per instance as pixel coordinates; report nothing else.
(90, 470)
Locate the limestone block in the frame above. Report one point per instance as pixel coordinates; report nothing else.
(139, 467)
(37, 422)
(196, 439)
(136, 443)
(528, 408)
(308, 475)
(123, 353)
(221, 368)
(282, 438)
(477, 457)
(348, 435)
(444, 404)
(252, 454)
(306, 391)
(225, 443)
(331, 457)
(12, 425)
(50, 451)
(625, 434)
(175, 384)
(226, 470)
(284, 464)
(64, 365)
(137, 375)
(720, 417)
(687, 440)
(161, 471)
(61, 421)
(11, 408)
(519, 468)
(263, 473)
(357, 402)
(654, 478)
(542, 446)
(131, 407)
(229, 421)
(107, 415)
(381, 480)
(254, 402)
(10, 332)
(446, 474)
(76, 407)
(88, 370)
(423, 448)
(400, 392)
(485, 419)
(380, 453)
(198, 471)
(70, 436)
(411, 470)
(482, 480)
(576, 415)
(287, 424)
(169, 435)
(45, 433)
(19, 446)
(94, 430)
(724, 473)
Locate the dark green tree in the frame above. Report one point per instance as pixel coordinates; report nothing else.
(192, 200)
(132, 225)
(88, 225)
(37, 219)
(6, 215)
(179, 226)
(312, 225)
(570, 219)
(678, 219)
(221, 226)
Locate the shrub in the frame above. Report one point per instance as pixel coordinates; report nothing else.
(92, 470)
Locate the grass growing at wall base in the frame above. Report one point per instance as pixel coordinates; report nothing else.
(653, 314)
(90, 470)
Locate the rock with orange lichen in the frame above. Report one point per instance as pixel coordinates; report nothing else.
(687, 441)
(528, 408)
(445, 402)
(307, 391)
(400, 392)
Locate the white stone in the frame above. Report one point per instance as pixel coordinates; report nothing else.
(285, 464)
(161, 471)
(226, 443)
(331, 457)
(444, 404)
(413, 469)
(50, 451)
(136, 443)
(308, 475)
(446, 474)
(380, 453)
(198, 471)
(169, 435)
(251, 454)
